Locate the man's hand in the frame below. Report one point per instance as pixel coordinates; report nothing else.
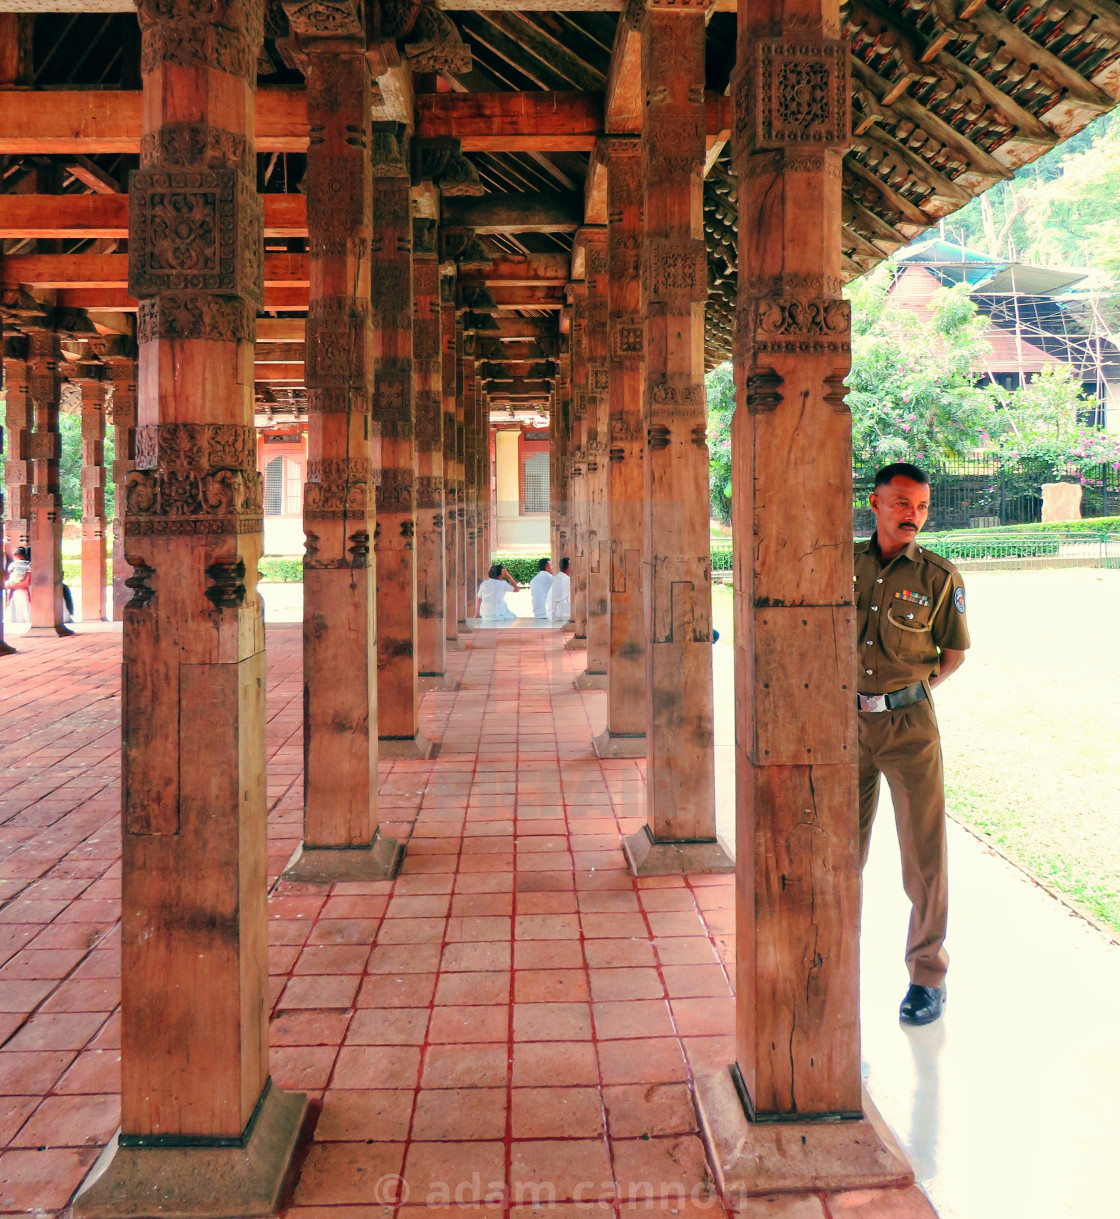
(951, 661)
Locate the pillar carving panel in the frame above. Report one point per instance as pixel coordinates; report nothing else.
(95, 392)
(579, 500)
(118, 352)
(680, 774)
(626, 681)
(17, 441)
(427, 354)
(562, 399)
(45, 501)
(339, 506)
(194, 1038)
(397, 681)
(798, 1006)
(596, 449)
(452, 475)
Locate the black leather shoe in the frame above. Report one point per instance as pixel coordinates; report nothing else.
(923, 1004)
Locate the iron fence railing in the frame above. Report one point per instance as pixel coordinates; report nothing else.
(984, 492)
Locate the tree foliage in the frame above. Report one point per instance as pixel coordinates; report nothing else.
(721, 406)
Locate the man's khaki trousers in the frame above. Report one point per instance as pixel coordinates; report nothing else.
(905, 746)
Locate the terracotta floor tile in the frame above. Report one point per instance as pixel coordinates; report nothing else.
(642, 1110)
(332, 959)
(547, 954)
(392, 1066)
(554, 1063)
(695, 981)
(632, 1018)
(95, 1071)
(416, 906)
(472, 905)
(559, 1170)
(381, 1115)
(391, 1026)
(310, 990)
(65, 1031)
(397, 990)
(550, 986)
(302, 1068)
(428, 931)
(704, 1017)
(643, 1166)
(14, 1111)
(607, 984)
(404, 959)
(439, 1173)
(685, 950)
(31, 1073)
(308, 1028)
(23, 996)
(650, 1060)
(551, 1022)
(476, 957)
(672, 923)
(546, 927)
(555, 1112)
(340, 1173)
(559, 902)
(471, 1113)
(619, 954)
(667, 899)
(467, 989)
(466, 1066)
(33, 1180)
(468, 1024)
(344, 931)
(478, 928)
(71, 1121)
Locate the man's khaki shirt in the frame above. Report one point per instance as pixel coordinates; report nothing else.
(905, 611)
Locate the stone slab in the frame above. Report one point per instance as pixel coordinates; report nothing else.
(608, 746)
(576, 643)
(590, 681)
(908, 1203)
(381, 860)
(197, 1182)
(440, 682)
(455, 645)
(418, 746)
(649, 858)
(754, 1159)
(1061, 502)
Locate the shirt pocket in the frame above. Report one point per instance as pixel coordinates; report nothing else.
(909, 627)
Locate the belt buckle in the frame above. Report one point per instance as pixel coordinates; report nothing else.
(873, 702)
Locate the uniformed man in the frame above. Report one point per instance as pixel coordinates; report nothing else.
(912, 635)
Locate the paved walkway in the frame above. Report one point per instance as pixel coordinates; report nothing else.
(515, 1019)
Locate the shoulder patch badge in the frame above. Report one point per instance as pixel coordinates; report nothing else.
(958, 600)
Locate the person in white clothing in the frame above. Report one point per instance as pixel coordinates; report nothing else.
(558, 606)
(539, 586)
(491, 606)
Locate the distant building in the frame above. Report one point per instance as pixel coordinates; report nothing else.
(1036, 316)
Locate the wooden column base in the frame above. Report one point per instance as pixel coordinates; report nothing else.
(418, 746)
(381, 860)
(41, 632)
(590, 681)
(440, 682)
(752, 1159)
(608, 746)
(456, 644)
(649, 858)
(192, 1182)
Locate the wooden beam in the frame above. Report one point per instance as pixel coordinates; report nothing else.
(281, 329)
(854, 241)
(886, 145)
(512, 122)
(540, 44)
(278, 353)
(531, 269)
(90, 216)
(880, 230)
(551, 212)
(622, 101)
(907, 108)
(111, 270)
(117, 300)
(906, 210)
(272, 373)
(93, 176)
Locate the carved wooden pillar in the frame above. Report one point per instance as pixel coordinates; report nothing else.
(562, 398)
(431, 579)
(579, 506)
(485, 490)
(194, 984)
(451, 475)
(341, 836)
(44, 358)
(596, 447)
(90, 379)
(470, 475)
(13, 447)
(397, 682)
(798, 885)
(118, 354)
(680, 772)
(466, 554)
(626, 673)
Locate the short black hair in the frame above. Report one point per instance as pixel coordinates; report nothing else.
(542, 564)
(901, 469)
(565, 563)
(495, 572)
(22, 552)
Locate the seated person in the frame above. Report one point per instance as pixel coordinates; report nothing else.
(539, 586)
(558, 605)
(491, 605)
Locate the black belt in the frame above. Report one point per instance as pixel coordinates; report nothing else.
(891, 702)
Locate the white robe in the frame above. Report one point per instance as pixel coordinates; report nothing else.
(538, 590)
(559, 603)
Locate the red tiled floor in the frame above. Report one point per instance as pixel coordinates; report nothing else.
(506, 1023)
